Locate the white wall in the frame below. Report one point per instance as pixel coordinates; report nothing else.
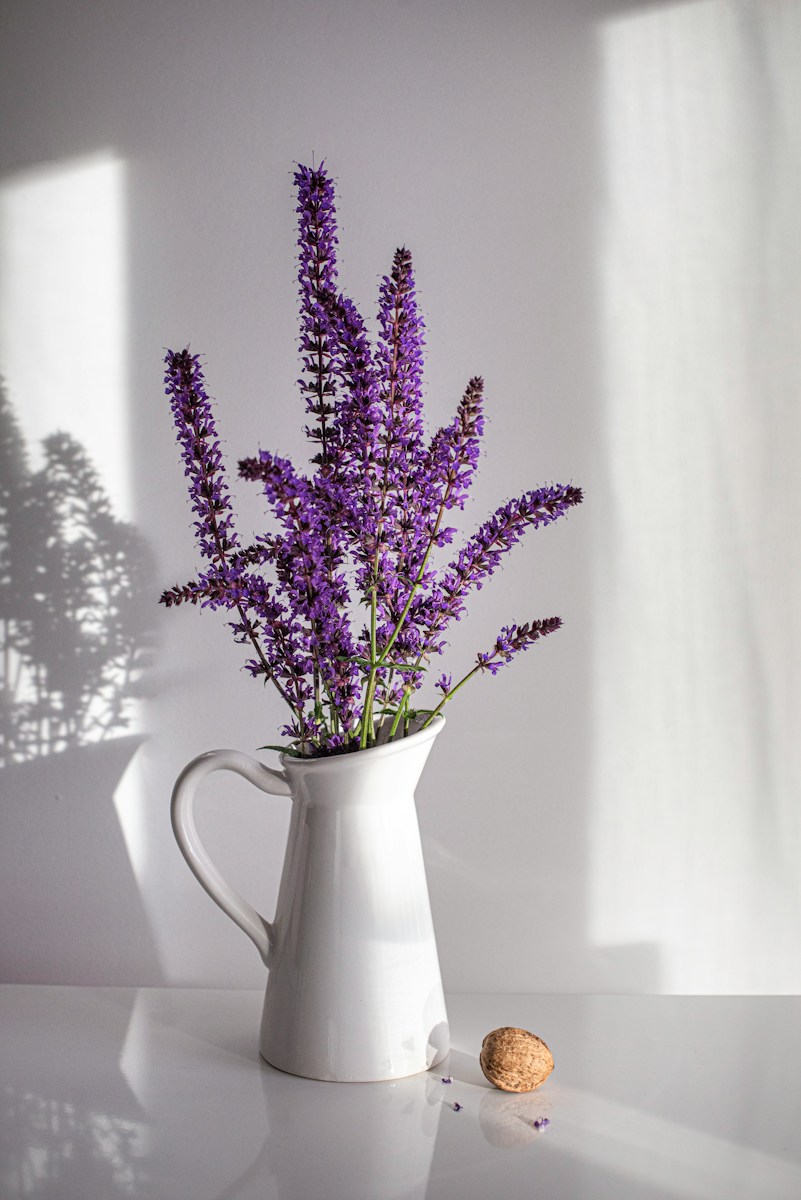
(600, 199)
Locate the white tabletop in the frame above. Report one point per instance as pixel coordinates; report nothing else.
(160, 1093)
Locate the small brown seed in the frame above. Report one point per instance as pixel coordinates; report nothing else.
(515, 1060)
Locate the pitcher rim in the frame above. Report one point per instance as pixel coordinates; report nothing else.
(372, 752)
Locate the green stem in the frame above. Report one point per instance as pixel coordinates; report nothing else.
(368, 729)
(450, 696)
(401, 710)
(318, 698)
(386, 684)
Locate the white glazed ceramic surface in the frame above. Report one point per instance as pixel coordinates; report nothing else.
(354, 990)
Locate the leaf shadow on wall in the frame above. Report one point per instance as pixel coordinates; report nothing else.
(75, 644)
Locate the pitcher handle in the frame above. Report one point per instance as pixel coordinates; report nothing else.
(266, 779)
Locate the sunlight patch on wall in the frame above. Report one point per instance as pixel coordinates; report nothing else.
(64, 339)
(695, 835)
(63, 319)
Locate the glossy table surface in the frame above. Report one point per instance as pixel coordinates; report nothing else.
(157, 1093)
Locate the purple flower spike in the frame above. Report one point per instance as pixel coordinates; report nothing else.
(453, 454)
(403, 484)
(400, 354)
(317, 274)
(481, 556)
(354, 484)
(261, 623)
(512, 640)
(306, 560)
(200, 451)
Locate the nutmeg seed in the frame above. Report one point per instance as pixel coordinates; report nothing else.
(515, 1060)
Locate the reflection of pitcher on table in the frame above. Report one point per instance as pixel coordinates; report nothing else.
(377, 1143)
(354, 990)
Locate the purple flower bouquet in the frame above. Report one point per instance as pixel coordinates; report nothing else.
(363, 530)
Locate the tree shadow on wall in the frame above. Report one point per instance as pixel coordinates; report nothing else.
(75, 644)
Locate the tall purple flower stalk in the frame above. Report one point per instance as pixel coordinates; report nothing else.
(262, 622)
(317, 276)
(356, 604)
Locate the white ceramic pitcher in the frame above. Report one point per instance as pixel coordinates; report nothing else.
(354, 990)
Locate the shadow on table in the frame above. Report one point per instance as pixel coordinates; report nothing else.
(70, 1126)
(72, 908)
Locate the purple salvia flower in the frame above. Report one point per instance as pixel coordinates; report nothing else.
(443, 482)
(262, 623)
(212, 589)
(453, 455)
(187, 593)
(512, 640)
(200, 451)
(262, 620)
(226, 585)
(358, 415)
(251, 556)
(352, 486)
(444, 684)
(306, 558)
(289, 493)
(317, 274)
(480, 557)
(403, 512)
(399, 359)
(302, 731)
(334, 347)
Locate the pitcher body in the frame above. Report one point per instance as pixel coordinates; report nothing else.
(354, 992)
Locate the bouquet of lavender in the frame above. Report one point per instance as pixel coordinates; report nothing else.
(362, 531)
